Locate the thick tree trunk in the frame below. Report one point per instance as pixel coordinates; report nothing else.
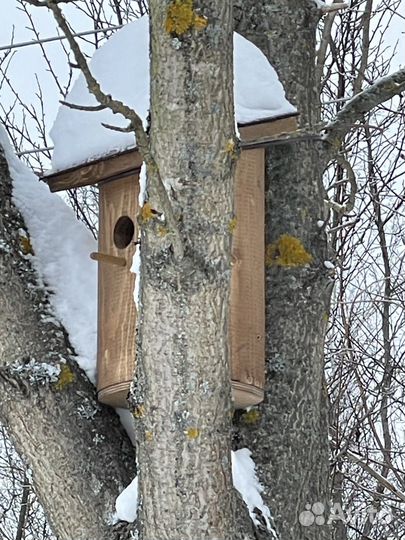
(182, 394)
(77, 450)
(289, 439)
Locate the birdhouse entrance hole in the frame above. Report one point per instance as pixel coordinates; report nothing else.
(123, 232)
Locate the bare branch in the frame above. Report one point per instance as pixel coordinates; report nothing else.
(351, 178)
(89, 108)
(334, 7)
(127, 129)
(381, 479)
(355, 109)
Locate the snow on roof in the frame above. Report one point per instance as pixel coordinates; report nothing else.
(121, 66)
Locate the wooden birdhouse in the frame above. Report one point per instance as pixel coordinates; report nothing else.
(117, 177)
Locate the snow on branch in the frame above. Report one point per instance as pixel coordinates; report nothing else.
(362, 103)
(326, 8)
(351, 178)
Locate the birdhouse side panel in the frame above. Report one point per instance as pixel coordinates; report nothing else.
(247, 317)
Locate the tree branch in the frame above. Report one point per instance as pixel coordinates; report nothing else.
(381, 479)
(83, 107)
(355, 109)
(118, 107)
(351, 178)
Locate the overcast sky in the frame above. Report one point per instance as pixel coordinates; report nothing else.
(28, 62)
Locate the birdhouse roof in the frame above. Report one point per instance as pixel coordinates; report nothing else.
(121, 66)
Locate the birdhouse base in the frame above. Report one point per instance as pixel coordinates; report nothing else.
(243, 395)
(115, 395)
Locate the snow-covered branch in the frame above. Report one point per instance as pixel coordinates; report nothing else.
(362, 103)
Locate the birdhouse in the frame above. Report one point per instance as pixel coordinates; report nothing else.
(117, 177)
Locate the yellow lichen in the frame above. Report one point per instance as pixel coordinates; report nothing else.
(181, 18)
(26, 246)
(148, 436)
(66, 377)
(251, 417)
(162, 231)
(287, 251)
(146, 213)
(231, 148)
(200, 22)
(192, 433)
(139, 411)
(232, 224)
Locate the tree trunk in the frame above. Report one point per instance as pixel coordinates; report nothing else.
(289, 440)
(182, 395)
(80, 457)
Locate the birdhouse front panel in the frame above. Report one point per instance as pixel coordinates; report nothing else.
(116, 308)
(118, 178)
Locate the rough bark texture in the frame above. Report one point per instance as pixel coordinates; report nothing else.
(182, 387)
(77, 450)
(289, 438)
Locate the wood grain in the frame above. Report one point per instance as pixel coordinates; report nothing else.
(94, 172)
(116, 307)
(247, 283)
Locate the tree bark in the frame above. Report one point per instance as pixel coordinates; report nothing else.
(182, 395)
(289, 439)
(80, 457)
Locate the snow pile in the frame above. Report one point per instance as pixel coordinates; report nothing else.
(121, 66)
(62, 245)
(126, 505)
(244, 480)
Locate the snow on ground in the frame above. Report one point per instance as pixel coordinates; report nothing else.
(121, 66)
(244, 480)
(61, 245)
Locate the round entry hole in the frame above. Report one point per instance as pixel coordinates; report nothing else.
(123, 232)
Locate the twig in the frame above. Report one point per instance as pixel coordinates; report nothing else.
(91, 108)
(351, 178)
(127, 129)
(116, 106)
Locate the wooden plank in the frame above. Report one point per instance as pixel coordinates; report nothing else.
(247, 321)
(116, 307)
(269, 128)
(95, 171)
